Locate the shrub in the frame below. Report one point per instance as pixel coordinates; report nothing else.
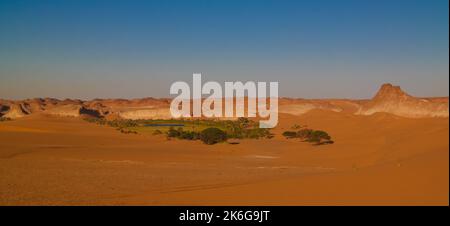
(290, 134)
(257, 133)
(235, 130)
(243, 122)
(245, 128)
(181, 134)
(318, 137)
(189, 135)
(173, 132)
(304, 133)
(212, 135)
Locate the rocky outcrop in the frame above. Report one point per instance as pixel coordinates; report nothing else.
(392, 99)
(149, 113)
(16, 111)
(72, 110)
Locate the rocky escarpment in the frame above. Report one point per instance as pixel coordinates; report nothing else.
(390, 99)
(146, 113)
(72, 110)
(16, 110)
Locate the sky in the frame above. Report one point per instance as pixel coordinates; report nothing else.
(134, 48)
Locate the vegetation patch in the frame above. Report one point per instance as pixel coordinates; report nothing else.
(213, 136)
(210, 135)
(317, 137)
(209, 131)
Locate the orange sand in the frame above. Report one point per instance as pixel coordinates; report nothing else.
(377, 160)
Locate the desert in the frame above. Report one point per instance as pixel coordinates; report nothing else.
(392, 149)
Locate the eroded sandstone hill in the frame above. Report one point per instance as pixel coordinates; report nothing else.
(392, 99)
(389, 99)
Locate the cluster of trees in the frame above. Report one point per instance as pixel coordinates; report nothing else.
(217, 130)
(238, 129)
(210, 135)
(318, 137)
(183, 134)
(245, 128)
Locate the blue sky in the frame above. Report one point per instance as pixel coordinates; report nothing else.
(315, 49)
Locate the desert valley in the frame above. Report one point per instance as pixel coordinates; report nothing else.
(392, 149)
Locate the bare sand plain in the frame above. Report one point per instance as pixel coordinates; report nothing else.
(379, 159)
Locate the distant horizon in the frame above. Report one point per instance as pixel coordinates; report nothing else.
(135, 49)
(171, 97)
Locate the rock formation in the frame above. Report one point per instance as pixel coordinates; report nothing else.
(392, 99)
